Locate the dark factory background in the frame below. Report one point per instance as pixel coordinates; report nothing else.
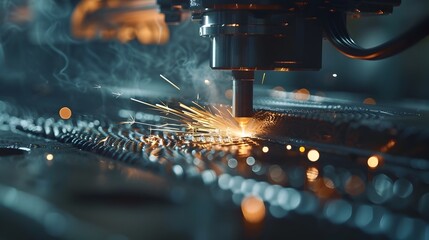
(40, 59)
(340, 153)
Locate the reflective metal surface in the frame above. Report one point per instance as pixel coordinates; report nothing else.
(341, 170)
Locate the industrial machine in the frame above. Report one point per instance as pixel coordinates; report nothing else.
(113, 125)
(281, 36)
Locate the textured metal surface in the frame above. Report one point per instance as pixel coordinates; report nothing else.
(336, 194)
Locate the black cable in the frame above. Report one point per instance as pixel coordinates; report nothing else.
(335, 28)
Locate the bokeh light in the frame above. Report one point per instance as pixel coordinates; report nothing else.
(373, 161)
(354, 185)
(369, 101)
(228, 94)
(253, 209)
(49, 157)
(265, 149)
(302, 94)
(312, 174)
(313, 155)
(65, 113)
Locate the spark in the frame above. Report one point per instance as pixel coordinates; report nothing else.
(165, 127)
(103, 140)
(117, 94)
(170, 82)
(131, 120)
(203, 121)
(263, 78)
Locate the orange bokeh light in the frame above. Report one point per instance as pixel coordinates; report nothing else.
(65, 113)
(253, 209)
(312, 173)
(302, 94)
(373, 161)
(369, 101)
(229, 93)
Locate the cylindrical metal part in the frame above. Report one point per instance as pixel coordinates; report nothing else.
(242, 100)
(263, 40)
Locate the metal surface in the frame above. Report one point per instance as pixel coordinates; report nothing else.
(242, 94)
(336, 195)
(262, 40)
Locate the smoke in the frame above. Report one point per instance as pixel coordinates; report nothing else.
(7, 29)
(47, 51)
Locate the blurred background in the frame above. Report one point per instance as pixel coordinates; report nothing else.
(93, 56)
(48, 51)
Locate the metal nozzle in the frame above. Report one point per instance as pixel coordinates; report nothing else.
(242, 100)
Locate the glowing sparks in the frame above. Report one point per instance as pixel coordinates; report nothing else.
(116, 94)
(204, 121)
(263, 78)
(170, 82)
(102, 141)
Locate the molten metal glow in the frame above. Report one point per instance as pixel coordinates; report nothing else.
(212, 121)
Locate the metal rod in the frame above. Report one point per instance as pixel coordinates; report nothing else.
(242, 100)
